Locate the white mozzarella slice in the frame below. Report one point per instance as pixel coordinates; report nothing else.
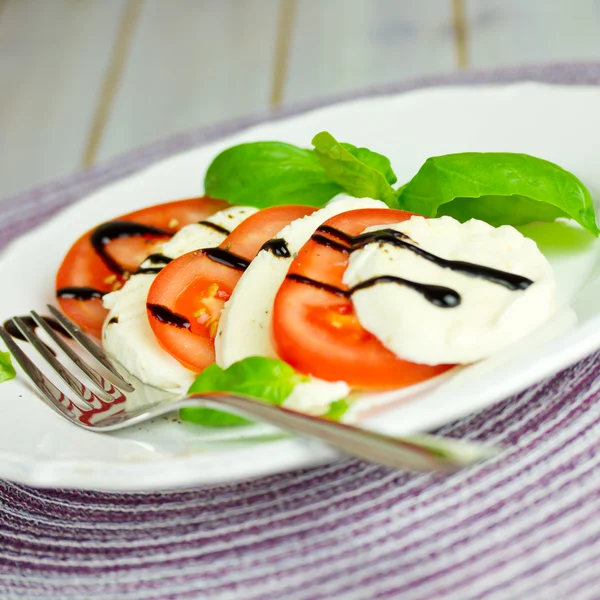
(127, 335)
(489, 317)
(130, 339)
(315, 396)
(245, 324)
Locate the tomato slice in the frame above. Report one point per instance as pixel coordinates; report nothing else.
(186, 298)
(315, 329)
(87, 272)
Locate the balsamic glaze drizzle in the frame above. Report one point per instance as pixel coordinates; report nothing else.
(325, 241)
(15, 332)
(510, 281)
(215, 227)
(99, 238)
(149, 270)
(229, 259)
(436, 294)
(332, 289)
(79, 293)
(105, 233)
(278, 247)
(12, 329)
(164, 315)
(336, 233)
(160, 261)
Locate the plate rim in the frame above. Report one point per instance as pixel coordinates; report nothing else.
(49, 473)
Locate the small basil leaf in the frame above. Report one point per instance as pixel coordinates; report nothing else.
(376, 161)
(7, 371)
(263, 174)
(262, 378)
(359, 178)
(498, 187)
(210, 417)
(337, 410)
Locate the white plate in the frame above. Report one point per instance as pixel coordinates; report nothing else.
(556, 123)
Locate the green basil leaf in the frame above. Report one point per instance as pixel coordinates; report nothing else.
(376, 161)
(262, 378)
(263, 174)
(210, 417)
(337, 409)
(7, 371)
(358, 178)
(498, 187)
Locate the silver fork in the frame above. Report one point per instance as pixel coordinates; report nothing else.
(106, 408)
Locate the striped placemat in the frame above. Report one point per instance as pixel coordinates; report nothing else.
(522, 526)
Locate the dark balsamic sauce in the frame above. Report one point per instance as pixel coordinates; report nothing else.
(325, 241)
(105, 233)
(215, 227)
(436, 294)
(278, 247)
(15, 332)
(510, 281)
(99, 238)
(12, 329)
(159, 259)
(159, 262)
(149, 270)
(113, 321)
(79, 293)
(336, 233)
(332, 289)
(229, 259)
(164, 315)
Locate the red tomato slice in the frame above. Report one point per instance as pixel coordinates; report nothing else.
(186, 298)
(83, 268)
(317, 332)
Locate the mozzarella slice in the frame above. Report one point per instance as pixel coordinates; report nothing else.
(489, 317)
(315, 396)
(128, 338)
(245, 324)
(127, 335)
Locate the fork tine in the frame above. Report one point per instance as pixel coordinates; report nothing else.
(91, 347)
(51, 395)
(98, 379)
(83, 392)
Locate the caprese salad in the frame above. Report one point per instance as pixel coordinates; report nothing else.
(304, 275)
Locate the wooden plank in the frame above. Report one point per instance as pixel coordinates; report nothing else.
(52, 58)
(513, 32)
(193, 64)
(341, 45)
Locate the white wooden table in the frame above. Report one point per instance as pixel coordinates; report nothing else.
(84, 80)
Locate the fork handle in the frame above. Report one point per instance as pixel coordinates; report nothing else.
(419, 452)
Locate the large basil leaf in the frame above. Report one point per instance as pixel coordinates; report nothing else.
(497, 187)
(263, 174)
(359, 171)
(262, 378)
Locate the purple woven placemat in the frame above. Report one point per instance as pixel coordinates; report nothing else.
(523, 526)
